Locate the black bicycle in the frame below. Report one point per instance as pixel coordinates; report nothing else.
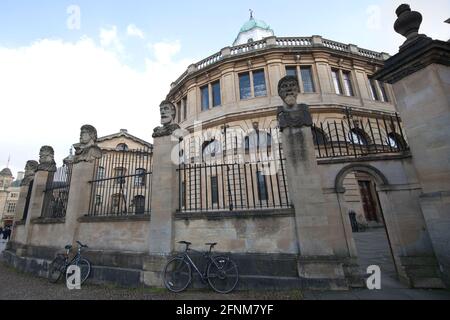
(59, 265)
(220, 271)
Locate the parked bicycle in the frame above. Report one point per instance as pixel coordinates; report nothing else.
(221, 273)
(59, 265)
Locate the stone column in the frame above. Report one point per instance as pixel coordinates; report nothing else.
(79, 199)
(409, 239)
(30, 171)
(86, 152)
(320, 232)
(45, 171)
(165, 197)
(419, 74)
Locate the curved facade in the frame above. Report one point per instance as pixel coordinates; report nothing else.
(237, 89)
(241, 82)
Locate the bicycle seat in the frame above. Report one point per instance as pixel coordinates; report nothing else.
(185, 242)
(68, 247)
(211, 244)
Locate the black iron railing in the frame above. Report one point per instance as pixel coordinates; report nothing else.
(356, 135)
(233, 171)
(57, 192)
(121, 184)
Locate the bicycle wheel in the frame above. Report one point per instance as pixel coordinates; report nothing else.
(55, 269)
(85, 268)
(177, 274)
(223, 274)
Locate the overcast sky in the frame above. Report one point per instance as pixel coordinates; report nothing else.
(113, 66)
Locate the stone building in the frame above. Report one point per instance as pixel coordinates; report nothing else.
(9, 195)
(237, 88)
(266, 147)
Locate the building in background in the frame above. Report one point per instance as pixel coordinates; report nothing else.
(9, 195)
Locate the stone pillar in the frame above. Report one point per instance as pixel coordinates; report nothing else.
(86, 152)
(409, 238)
(36, 201)
(25, 185)
(320, 233)
(45, 171)
(419, 74)
(165, 195)
(79, 199)
(20, 207)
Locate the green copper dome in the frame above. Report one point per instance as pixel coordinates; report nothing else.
(253, 23)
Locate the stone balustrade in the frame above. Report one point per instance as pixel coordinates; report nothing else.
(279, 42)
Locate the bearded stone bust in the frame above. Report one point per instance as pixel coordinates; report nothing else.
(47, 159)
(87, 150)
(292, 114)
(30, 170)
(168, 113)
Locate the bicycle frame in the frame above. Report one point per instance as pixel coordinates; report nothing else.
(206, 256)
(74, 260)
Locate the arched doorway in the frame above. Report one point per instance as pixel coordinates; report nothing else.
(358, 186)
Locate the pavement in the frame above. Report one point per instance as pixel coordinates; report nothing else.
(16, 285)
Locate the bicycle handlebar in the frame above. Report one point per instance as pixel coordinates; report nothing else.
(211, 245)
(82, 245)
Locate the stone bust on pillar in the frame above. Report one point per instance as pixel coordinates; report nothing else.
(87, 150)
(292, 114)
(168, 113)
(47, 159)
(30, 170)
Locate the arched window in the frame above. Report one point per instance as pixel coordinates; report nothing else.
(122, 147)
(139, 204)
(319, 137)
(358, 136)
(139, 178)
(256, 141)
(211, 149)
(396, 141)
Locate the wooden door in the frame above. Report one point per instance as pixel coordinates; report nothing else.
(368, 201)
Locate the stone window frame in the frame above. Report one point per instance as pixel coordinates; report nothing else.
(181, 106)
(122, 147)
(252, 84)
(299, 76)
(381, 97)
(140, 177)
(210, 95)
(11, 207)
(341, 81)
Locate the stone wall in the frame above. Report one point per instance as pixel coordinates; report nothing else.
(126, 235)
(235, 234)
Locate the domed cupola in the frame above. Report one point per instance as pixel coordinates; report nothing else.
(253, 30)
(6, 173)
